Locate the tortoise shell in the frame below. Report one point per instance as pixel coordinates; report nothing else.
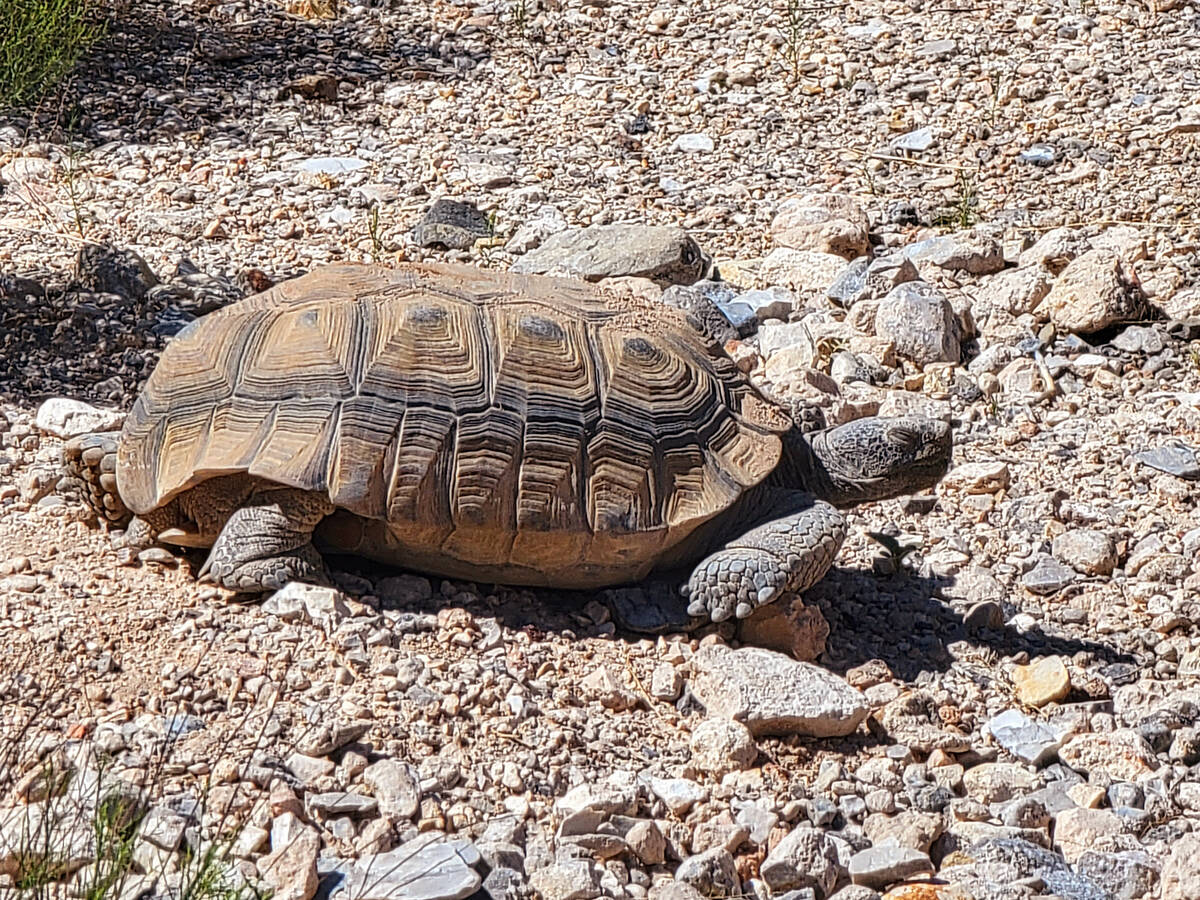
(470, 423)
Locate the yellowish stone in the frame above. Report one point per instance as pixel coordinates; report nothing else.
(1042, 681)
(1086, 795)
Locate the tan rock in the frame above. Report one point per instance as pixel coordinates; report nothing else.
(997, 782)
(291, 866)
(720, 746)
(1124, 755)
(1021, 376)
(1181, 874)
(1016, 291)
(909, 828)
(804, 271)
(1043, 681)
(1093, 292)
(602, 685)
(1086, 550)
(1086, 796)
(787, 626)
(1078, 830)
(830, 223)
(978, 478)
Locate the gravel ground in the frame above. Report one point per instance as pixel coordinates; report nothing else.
(1007, 711)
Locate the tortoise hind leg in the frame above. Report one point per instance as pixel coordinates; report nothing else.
(791, 550)
(267, 542)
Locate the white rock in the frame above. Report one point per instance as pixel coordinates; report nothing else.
(773, 694)
(65, 418)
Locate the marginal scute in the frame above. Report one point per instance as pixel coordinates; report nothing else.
(473, 423)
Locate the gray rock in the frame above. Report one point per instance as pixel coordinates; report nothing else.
(879, 867)
(708, 303)
(499, 855)
(917, 141)
(850, 286)
(770, 303)
(429, 867)
(328, 738)
(504, 884)
(693, 143)
(969, 252)
(757, 821)
(1026, 812)
(871, 279)
(1048, 576)
(163, 828)
(855, 892)
(665, 254)
(679, 794)
(803, 271)
(1126, 875)
(1139, 339)
(309, 769)
(805, 858)
(567, 880)
(604, 798)
(647, 842)
(1175, 459)
(712, 873)
(772, 694)
(331, 165)
(1028, 740)
(396, 785)
(342, 803)
(534, 230)
(921, 322)
(451, 224)
(666, 681)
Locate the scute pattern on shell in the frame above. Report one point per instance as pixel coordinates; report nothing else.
(515, 425)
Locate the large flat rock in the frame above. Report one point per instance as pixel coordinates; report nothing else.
(773, 694)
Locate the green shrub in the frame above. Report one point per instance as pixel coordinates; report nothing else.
(40, 40)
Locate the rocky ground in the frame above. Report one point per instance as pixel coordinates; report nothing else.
(1008, 710)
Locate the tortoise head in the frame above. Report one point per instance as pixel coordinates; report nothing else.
(872, 458)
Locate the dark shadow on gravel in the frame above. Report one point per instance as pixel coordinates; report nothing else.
(168, 71)
(901, 620)
(898, 619)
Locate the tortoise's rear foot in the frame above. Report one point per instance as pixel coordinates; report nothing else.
(90, 467)
(268, 542)
(789, 553)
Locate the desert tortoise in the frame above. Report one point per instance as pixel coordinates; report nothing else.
(492, 427)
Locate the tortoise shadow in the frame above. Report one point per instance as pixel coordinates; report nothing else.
(901, 619)
(905, 620)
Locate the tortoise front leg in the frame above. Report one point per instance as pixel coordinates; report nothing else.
(790, 551)
(267, 542)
